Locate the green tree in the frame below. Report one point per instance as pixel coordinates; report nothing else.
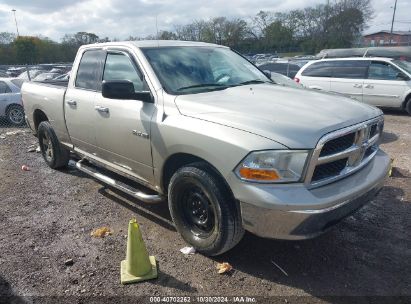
(26, 48)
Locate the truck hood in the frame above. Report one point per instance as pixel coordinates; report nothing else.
(296, 118)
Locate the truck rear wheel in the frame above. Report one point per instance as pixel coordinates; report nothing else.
(55, 155)
(203, 210)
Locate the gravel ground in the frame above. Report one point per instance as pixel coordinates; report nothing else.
(46, 218)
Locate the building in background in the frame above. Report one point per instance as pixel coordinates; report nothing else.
(384, 38)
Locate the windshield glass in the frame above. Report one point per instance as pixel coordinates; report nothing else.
(405, 65)
(188, 70)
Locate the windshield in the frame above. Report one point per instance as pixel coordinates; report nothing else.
(188, 70)
(405, 65)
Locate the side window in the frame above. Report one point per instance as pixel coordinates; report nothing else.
(4, 88)
(119, 67)
(319, 69)
(89, 71)
(354, 69)
(382, 71)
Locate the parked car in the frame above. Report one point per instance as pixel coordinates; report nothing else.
(199, 125)
(284, 68)
(63, 77)
(33, 73)
(15, 71)
(3, 74)
(376, 81)
(46, 76)
(11, 105)
(283, 80)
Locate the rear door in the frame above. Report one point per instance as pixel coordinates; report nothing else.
(385, 85)
(79, 100)
(317, 75)
(123, 126)
(348, 77)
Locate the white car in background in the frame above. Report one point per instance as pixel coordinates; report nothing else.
(383, 82)
(11, 105)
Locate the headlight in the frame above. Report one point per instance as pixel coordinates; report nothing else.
(273, 166)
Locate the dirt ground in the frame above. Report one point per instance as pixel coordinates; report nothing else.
(46, 217)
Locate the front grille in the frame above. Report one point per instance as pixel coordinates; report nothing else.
(338, 144)
(328, 170)
(343, 152)
(373, 130)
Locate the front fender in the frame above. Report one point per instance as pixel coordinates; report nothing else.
(221, 146)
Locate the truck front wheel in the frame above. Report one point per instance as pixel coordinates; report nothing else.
(203, 210)
(55, 155)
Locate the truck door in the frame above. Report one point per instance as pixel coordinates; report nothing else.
(79, 101)
(123, 126)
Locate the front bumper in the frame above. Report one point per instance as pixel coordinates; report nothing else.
(291, 211)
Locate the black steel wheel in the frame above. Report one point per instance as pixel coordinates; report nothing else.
(204, 210)
(198, 211)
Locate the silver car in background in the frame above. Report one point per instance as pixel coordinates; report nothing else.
(11, 105)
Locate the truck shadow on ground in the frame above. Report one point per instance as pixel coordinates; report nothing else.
(396, 112)
(7, 294)
(365, 254)
(388, 137)
(157, 212)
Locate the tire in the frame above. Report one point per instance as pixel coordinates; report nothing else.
(408, 106)
(54, 154)
(203, 210)
(15, 115)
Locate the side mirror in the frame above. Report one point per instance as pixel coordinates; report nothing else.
(123, 89)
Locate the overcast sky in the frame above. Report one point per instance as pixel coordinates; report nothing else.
(120, 18)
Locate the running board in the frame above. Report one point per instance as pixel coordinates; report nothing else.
(147, 198)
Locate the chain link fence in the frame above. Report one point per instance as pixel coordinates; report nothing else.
(12, 78)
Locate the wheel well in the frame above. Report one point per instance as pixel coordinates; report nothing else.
(38, 117)
(176, 161)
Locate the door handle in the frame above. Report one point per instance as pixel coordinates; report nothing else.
(72, 102)
(357, 85)
(101, 109)
(368, 86)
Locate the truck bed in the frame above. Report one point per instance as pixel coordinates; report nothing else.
(47, 97)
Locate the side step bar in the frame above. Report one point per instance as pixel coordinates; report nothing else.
(147, 198)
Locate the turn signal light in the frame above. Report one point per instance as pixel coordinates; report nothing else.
(258, 174)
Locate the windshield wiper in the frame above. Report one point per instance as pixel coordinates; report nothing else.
(203, 85)
(254, 81)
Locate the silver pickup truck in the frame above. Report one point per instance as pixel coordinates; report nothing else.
(198, 125)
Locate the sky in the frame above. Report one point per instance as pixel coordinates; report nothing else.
(121, 19)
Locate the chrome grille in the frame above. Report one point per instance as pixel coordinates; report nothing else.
(343, 152)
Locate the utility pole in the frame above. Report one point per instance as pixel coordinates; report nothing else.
(393, 17)
(15, 21)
